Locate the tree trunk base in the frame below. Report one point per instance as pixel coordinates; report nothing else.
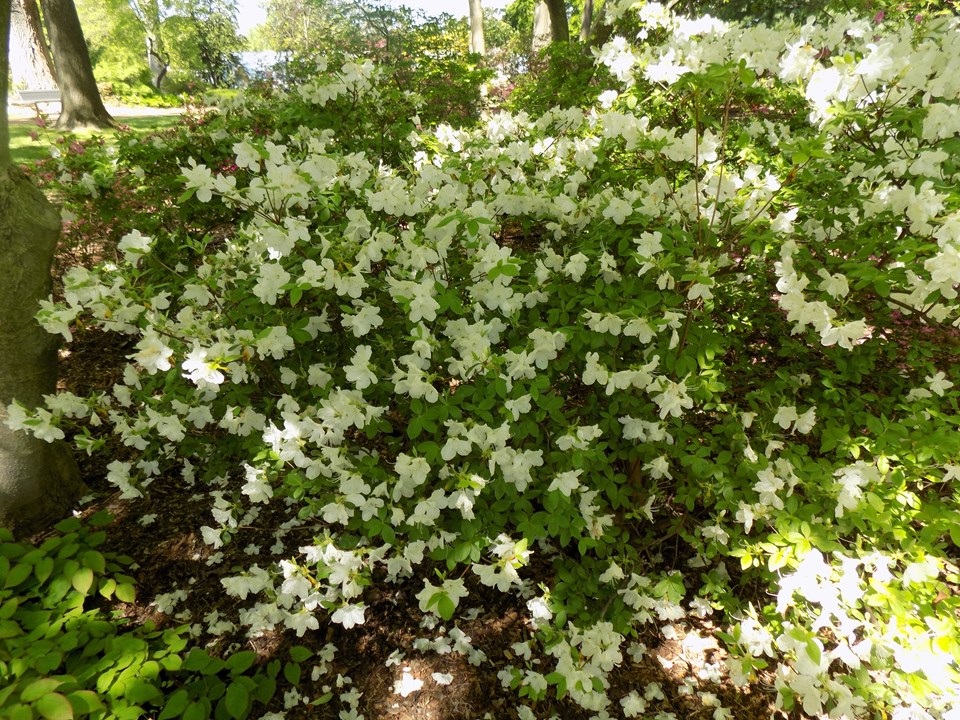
(27, 506)
(75, 120)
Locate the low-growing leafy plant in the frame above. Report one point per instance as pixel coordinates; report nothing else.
(64, 654)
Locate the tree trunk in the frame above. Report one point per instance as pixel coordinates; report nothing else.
(559, 27)
(477, 43)
(157, 60)
(82, 104)
(4, 79)
(30, 63)
(601, 29)
(586, 20)
(38, 481)
(541, 26)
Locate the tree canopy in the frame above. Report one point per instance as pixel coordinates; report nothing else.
(151, 43)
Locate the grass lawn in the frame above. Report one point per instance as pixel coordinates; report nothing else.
(25, 149)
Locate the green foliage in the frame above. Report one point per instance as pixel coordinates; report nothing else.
(63, 655)
(564, 75)
(690, 340)
(60, 658)
(117, 43)
(197, 39)
(203, 44)
(752, 11)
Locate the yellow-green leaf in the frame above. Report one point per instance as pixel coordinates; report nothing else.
(82, 580)
(54, 707)
(38, 688)
(126, 593)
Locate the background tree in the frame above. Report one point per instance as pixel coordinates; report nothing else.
(586, 21)
(203, 41)
(116, 41)
(543, 21)
(145, 46)
(477, 43)
(30, 63)
(38, 481)
(80, 97)
(559, 25)
(148, 13)
(766, 12)
(540, 37)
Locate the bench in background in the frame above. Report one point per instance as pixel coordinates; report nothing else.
(35, 97)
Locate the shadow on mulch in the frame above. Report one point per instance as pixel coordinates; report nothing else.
(373, 658)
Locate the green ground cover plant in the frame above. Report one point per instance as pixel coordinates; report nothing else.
(62, 656)
(714, 310)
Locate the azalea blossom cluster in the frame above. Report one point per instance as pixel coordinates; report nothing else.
(555, 337)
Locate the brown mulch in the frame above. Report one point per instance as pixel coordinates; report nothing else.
(169, 554)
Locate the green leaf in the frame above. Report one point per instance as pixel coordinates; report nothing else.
(43, 568)
(18, 573)
(196, 660)
(266, 687)
(292, 672)
(445, 607)
(175, 706)
(54, 706)
(38, 688)
(107, 587)
(126, 593)
(240, 662)
(140, 691)
(196, 711)
(84, 702)
(69, 525)
(94, 560)
(414, 428)
(49, 662)
(82, 580)
(9, 629)
(9, 608)
(101, 518)
(299, 653)
(19, 712)
(237, 700)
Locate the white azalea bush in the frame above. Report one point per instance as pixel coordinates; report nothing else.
(677, 318)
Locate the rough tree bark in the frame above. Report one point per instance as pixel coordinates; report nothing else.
(82, 104)
(38, 481)
(30, 62)
(559, 27)
(477, 42)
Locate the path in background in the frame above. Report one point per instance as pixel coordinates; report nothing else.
(21, 113)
